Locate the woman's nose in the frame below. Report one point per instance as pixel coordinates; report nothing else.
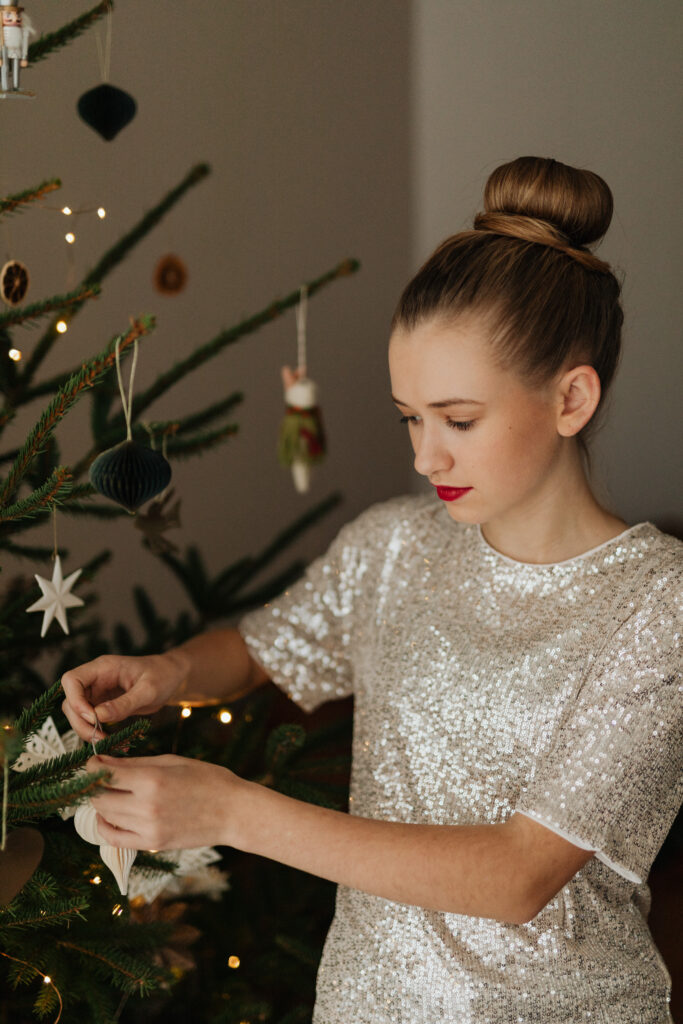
(431, 455)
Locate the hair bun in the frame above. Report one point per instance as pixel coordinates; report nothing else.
(576, 202)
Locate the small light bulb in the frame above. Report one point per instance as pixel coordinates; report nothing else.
(186, 712)
(233, 961)
(15, 354)
(62, 326)
(96, 880)
(70, 237)
(117, 910)
(225, 716)
(47, 980)
(101, 213)
(67, 211)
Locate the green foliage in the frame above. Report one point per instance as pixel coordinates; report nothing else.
(48, 43)
(102, 953)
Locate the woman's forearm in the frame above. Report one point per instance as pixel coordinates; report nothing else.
(216, 666)
(507, 872)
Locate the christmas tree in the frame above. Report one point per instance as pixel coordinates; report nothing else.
(218, 940)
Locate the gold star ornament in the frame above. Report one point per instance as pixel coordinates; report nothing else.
(57, 597)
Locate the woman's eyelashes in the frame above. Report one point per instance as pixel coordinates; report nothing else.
(453, 424)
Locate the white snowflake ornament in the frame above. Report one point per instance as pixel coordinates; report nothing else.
(44, 745)
(57, 597)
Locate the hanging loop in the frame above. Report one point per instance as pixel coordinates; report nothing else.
(127, 403)
(301, 315)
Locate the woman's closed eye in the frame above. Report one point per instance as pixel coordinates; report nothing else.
(453, 424)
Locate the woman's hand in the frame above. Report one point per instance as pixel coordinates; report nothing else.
(114, 687)
(167, 803)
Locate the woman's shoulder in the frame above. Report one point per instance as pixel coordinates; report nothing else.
(403, 514)
(656, 556)
(647, 594)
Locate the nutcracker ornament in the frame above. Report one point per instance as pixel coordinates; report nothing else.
(302, 438)
(15, 28)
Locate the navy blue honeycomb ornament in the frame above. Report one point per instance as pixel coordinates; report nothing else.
(130, 474)
(107, 109)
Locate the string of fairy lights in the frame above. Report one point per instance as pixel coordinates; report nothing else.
(70, 237)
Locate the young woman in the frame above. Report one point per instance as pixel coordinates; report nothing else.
(512, 648)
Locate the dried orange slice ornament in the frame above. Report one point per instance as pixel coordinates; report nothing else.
(14, 279)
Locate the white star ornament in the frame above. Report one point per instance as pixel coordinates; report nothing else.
(56, 597)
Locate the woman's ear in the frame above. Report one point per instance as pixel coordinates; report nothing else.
(579, 393)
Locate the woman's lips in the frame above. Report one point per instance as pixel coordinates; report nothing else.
(452, 493)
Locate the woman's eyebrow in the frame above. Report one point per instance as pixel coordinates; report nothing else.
(443, 404)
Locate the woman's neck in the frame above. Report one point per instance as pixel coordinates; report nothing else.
(555, 527)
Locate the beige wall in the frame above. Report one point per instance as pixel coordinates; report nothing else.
(300, 108)
(362, 128)
(595, 83)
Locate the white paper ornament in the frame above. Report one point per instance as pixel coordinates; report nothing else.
(56, 597)
(44, 745)
(208, 881)
(119, 861)
(85, 823)
(189, 863)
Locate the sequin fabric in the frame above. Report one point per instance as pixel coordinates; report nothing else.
(485, 686)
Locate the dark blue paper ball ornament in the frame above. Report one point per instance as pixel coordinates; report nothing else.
(130, 474)
(107, 109)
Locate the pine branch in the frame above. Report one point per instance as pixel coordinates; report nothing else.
(57, 486)
(302, 951)
(51, 41)
(109, 262)
(128, 974)
(72, 390)
(197, 420)
(61, 912)
(210, 349)
(30, 195)
(63, 767)
(181, 448)
(35, 553)
(118, 252)
(33, 717)
(109, 511)
(261, 595)
(40, 800)
(20, 315)
(301, 525)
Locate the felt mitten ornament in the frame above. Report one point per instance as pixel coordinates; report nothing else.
(302, 439)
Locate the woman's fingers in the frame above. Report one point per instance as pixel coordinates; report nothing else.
(166, 802)
(121, 837)
(83, 688)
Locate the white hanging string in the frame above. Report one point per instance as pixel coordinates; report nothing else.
(97, 727)
(127, 403)
(55, 552)
(104, 47)
(301, 314)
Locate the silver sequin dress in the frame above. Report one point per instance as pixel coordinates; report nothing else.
(485, 686)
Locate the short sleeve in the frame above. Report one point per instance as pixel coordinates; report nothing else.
(307, 638)
(613, 782)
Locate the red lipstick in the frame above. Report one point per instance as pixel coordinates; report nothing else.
(452, 493)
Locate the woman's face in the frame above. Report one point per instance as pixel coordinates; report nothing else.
(486, 441)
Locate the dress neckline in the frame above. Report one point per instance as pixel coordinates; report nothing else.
(567, 561)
